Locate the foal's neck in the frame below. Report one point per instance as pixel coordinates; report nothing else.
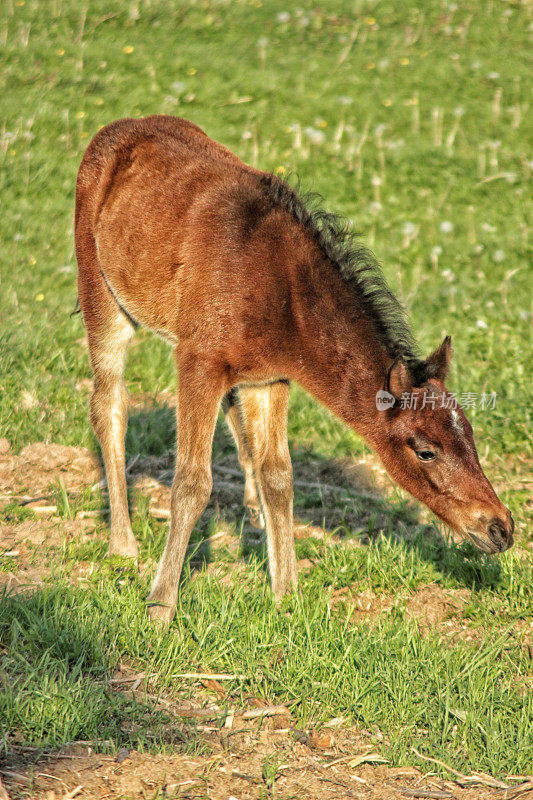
(342, 361)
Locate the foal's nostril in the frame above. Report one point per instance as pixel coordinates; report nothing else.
(499, 534)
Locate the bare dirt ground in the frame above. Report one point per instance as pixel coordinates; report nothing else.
(339, 761)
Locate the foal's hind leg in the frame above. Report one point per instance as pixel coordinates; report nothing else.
(235, 423)
(109, 331)
(109, 416)
(264, 414)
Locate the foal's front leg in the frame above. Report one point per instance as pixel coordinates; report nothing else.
(200, 390)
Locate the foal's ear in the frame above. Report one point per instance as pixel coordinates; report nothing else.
(399, 379)
(440, 359)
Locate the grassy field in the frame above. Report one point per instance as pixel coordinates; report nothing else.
(413, 121)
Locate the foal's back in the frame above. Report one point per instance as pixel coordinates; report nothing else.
(179, 223)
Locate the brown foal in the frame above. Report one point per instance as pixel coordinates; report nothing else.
(253, 287)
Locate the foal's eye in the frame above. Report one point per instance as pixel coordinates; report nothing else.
(426, 455)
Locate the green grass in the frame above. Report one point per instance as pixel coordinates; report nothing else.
(455, 702)
(412, 120)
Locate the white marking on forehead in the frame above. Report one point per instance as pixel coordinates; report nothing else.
(456, 421)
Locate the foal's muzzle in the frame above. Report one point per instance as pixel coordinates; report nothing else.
(497, 536)
(500, 534)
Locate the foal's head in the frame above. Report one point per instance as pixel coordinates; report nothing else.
(425, 442)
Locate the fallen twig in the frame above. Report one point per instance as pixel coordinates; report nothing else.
(516, 791)
(476, 777)
(211, 676)
(245, 777)
(92, 514)
(267, 711)
(44, 509)
(73, 792)
(16, 776)
(27, 500)
(434, 794)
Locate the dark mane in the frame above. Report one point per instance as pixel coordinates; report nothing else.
(358, 266)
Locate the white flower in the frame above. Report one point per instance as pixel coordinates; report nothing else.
(488, 228)
(379, 130)
(446, 226)
(177, 86)
(315, 136)
(383, 63)
(482, 325)
(448, 275)
(436, 251)
(493, 76)
(246, 135)
(498, 256)
(262, 42)
(408, 229)
(345, 100)
(283, 17)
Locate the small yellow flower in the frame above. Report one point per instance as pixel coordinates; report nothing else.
(84, 134)
(60, 52)
(413, 101)
(280, 170)
(99, 101)
(322, 123)
(371, 65)
(404, 62)
(191, 71)
(370, 20)
(387, 102)
(32, 261)
(39, 297)
(80, 114)
(12, 152)
(128, 49)
(20, 2)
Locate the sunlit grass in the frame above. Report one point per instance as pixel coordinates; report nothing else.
(411, 119)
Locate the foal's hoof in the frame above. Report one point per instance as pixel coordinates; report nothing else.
(255, 515)
(161, 614)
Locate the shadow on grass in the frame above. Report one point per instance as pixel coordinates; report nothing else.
(332, 494)
(57, 655)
